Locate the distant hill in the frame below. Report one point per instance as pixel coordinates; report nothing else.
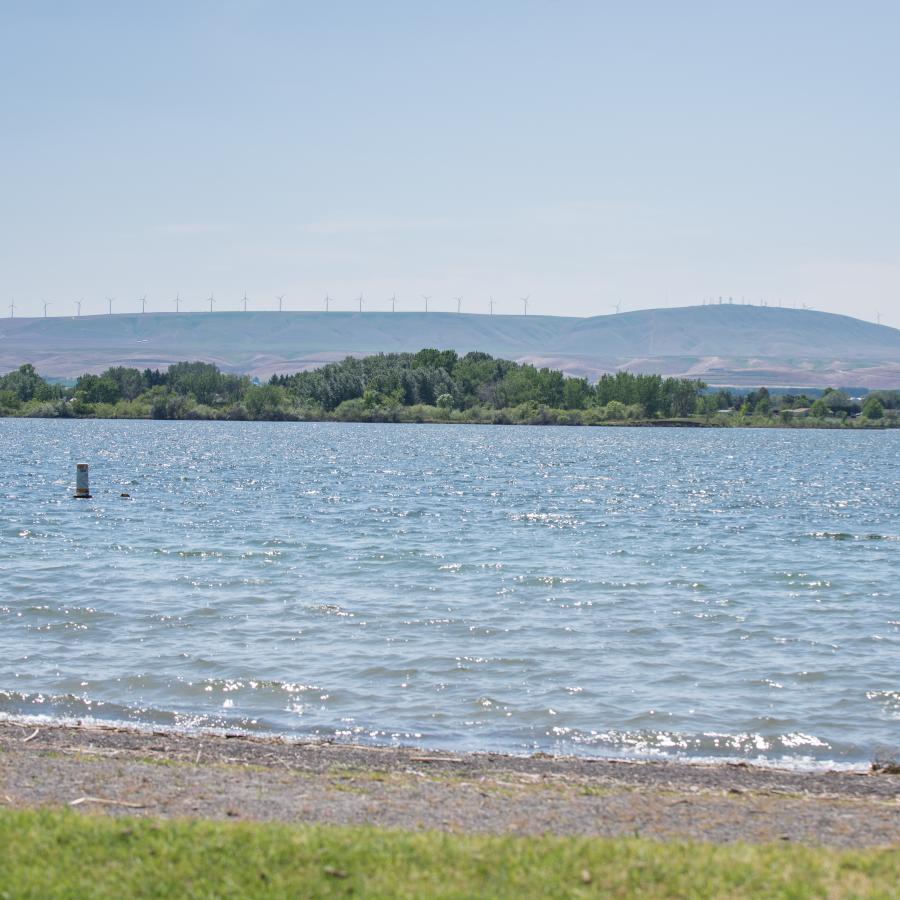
(723, 344)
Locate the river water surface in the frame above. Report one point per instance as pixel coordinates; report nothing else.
(603, 591)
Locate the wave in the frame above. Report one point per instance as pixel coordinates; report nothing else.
(793, 750)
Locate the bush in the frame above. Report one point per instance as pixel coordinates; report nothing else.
(595, 415)
(635, 411)
(354, 410)
(420, 412)
(266, 401)
(55, 409)
(522, 413)
(545, 415)
(202, 412)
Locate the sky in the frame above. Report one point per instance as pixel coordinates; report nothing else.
(585, 154)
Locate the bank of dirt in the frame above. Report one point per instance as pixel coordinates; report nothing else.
(169, 774)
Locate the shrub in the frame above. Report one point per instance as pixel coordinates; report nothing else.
(354, 410)
(53, 409)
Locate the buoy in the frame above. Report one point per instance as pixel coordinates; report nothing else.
(82, 488)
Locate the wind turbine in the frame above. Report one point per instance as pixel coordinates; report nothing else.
(360, 300)
(280, 299)
(878, 318)
(458, 304)
(144, 304)
(492, 305)
(211, 300)
(12, 309)
(177, 302)
(77, 308)
(525, 304)
(426, 298)
(327, 302)
(244, 301)
(46, 304)
(393, 303)
(109, 300)
(617, 307)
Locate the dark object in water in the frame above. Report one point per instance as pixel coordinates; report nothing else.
(82, 487)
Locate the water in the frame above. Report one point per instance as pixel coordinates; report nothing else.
(617, 592)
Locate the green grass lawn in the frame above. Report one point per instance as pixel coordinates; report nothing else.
(64, 854)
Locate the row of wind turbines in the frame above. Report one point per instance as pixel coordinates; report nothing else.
(729, 301)
(744, 302)
(357, 304)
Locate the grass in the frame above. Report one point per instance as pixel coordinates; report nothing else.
(51, 854)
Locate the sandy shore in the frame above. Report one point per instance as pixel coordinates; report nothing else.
(165, 774)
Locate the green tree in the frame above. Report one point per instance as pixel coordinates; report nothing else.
(708, 406)
(436, 359)
(873, 409)
(129, 381)
(97, 389)
(26, 384)
(683, 395)
(8, 400)
(838, 401)
(763, 405)
(205, 383)
(889, 399)
(265, 402)
(576, 393)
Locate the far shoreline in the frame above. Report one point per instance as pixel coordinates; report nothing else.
(436, 387)
(643, 423)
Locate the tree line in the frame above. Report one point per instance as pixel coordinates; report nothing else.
(431, 385)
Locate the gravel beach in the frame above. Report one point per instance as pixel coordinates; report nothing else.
(169, 774)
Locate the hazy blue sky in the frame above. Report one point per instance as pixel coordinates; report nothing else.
(586, 153)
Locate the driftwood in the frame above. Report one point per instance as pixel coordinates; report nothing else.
(104, 802)
(92, 751)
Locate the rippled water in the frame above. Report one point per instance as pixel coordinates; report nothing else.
(705, 593)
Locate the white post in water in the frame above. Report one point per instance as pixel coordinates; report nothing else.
(82, 488)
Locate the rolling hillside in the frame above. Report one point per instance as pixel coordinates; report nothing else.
(733, 345)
